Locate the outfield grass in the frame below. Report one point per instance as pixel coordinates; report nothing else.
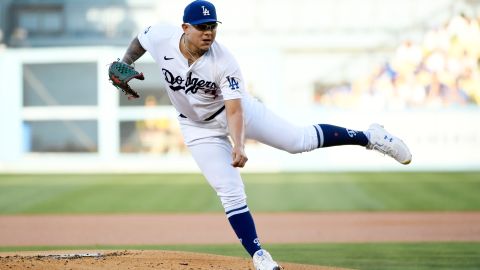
(115, 193)
(374, 256)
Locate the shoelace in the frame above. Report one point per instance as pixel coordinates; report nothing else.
(390, 151)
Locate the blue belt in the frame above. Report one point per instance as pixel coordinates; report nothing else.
(211, 116)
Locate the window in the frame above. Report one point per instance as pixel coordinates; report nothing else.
(155, 136)
(40, 19)
(60, 136)
(60, 84)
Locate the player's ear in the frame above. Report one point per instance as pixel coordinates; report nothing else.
(185, 27)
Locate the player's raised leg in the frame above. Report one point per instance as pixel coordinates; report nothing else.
(266, 127)
(213, 156)
(374, 138)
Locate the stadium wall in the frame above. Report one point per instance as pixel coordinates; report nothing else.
(441, 139)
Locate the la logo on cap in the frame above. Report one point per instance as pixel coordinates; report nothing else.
(199, 12)
(206, 12)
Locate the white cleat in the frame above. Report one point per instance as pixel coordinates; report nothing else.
(262, 260)
(387, 144)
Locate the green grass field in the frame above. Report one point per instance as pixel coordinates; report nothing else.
(39, 194)
(61, 194)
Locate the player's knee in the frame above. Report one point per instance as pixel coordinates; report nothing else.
(233, 201)
(294, 150)
(303, 141)
(293, 147)
(299, 141)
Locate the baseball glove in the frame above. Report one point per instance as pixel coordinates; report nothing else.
(120, 74)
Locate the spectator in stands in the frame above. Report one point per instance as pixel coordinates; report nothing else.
(440, 71)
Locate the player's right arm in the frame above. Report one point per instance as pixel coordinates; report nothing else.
(134, 51)
(236, 126)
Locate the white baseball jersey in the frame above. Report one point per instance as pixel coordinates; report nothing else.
(197, 91)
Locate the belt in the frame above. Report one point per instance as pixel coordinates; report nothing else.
(211, 116)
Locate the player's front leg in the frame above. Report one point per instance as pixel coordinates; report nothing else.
(213, 156)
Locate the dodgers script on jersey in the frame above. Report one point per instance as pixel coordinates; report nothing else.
(199, 90)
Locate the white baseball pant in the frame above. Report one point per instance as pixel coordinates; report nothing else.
(211, 148)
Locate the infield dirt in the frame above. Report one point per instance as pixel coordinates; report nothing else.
(139, 260)
(51, 230)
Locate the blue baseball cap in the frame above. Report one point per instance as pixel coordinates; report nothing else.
(200, 11)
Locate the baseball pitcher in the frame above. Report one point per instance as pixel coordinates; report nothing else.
(216, 114)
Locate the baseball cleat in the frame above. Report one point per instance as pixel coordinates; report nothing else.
(387, 144)
(262, 260)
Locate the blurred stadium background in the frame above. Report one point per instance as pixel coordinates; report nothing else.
(412, 65)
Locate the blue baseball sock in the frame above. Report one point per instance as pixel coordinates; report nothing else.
(333, 135)
(244, 227)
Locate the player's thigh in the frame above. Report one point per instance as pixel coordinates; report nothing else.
(214, 158)
(267, 127)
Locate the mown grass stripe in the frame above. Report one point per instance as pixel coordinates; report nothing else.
(67, 194)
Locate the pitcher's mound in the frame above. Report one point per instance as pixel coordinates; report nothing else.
(120, 260)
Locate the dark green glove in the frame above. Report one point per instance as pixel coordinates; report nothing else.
(120, 74)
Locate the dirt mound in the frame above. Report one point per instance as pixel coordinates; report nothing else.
(93, 260)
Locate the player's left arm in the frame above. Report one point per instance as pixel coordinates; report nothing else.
(134, 51)
(236, 125)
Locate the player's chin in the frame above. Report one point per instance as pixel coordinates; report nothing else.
(205, 45)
